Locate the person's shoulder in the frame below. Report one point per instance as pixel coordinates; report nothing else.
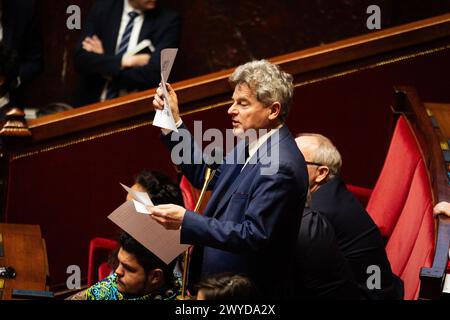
(167, 14)
(103, 290)
(106, 4)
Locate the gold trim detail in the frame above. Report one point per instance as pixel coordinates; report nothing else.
(108, 133)
(221, 104)
(372, 66)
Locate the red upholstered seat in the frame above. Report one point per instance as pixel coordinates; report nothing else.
(99, 251)
(391, 190)
(188, 193)
(411, 244)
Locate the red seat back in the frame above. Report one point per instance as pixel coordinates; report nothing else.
(411, 244)
(99, 251)
(188, 193)
(391, 190)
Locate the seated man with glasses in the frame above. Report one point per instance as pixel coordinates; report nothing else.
(357, 236)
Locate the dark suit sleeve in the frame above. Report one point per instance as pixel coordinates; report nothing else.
(183, 147)
(31, 53)
(267, 204)
(148, 76)
(106, 65)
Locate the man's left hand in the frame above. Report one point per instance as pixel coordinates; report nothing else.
(93, 44)
(170, 216)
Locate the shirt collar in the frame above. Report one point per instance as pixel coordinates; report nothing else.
(128, 8)
(254, 146)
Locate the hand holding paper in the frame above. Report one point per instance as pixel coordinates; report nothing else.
(163, 116)
(170, 216)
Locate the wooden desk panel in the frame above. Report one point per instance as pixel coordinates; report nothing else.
(25, 252)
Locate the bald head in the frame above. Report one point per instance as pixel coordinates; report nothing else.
(323, 159)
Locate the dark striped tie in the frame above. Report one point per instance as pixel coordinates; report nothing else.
(113, 91)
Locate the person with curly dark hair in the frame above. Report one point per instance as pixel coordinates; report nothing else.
(159, 187)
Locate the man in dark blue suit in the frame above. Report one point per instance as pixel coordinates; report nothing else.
(251, 221)
(113, 30)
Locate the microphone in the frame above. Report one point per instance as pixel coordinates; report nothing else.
(214, 159)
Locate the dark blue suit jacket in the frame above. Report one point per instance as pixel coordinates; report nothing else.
(251, 222)
(161, 26)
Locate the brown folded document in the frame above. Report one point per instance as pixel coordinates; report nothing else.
(165, 244)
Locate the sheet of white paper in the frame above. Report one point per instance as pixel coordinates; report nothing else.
(164, 118)
(139, 196)
(167, 59)
(165, 244)
(140, 207)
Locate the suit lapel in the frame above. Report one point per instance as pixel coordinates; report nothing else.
(223, 181)
(253, 164)
(147, 25)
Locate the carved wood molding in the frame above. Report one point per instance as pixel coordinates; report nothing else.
(15, 124)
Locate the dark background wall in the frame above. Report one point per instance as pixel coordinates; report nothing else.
(219, 34)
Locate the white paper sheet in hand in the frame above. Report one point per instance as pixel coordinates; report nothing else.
(164, 118)
(140, 199)
(165, 244)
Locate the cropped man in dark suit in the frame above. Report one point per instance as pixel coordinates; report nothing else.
(113, 29)
(251, 221)
(321, 270)
(19, 30)
(357, 235)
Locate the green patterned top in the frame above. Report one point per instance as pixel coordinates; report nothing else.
(106, 289)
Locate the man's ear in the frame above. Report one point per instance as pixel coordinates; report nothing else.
(274, 109)
(156, 276)
(323, 172)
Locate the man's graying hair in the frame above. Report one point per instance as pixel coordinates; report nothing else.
(268, 81)
(326, 154)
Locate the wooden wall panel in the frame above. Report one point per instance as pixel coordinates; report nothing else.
(222, 34)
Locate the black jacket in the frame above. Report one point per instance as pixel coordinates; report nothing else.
(358, 237)
(321, 270)
(161, 26)
(21, 33)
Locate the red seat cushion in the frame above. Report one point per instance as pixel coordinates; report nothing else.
(411, 244)
(392, 187)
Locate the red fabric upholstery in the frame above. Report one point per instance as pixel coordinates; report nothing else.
(411, 244)
(393, 184)
(188, 195)
(99, 251)
(361, 193)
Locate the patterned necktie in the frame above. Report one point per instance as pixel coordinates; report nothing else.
(113, 91)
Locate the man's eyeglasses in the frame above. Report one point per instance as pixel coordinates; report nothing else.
(313, 163)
